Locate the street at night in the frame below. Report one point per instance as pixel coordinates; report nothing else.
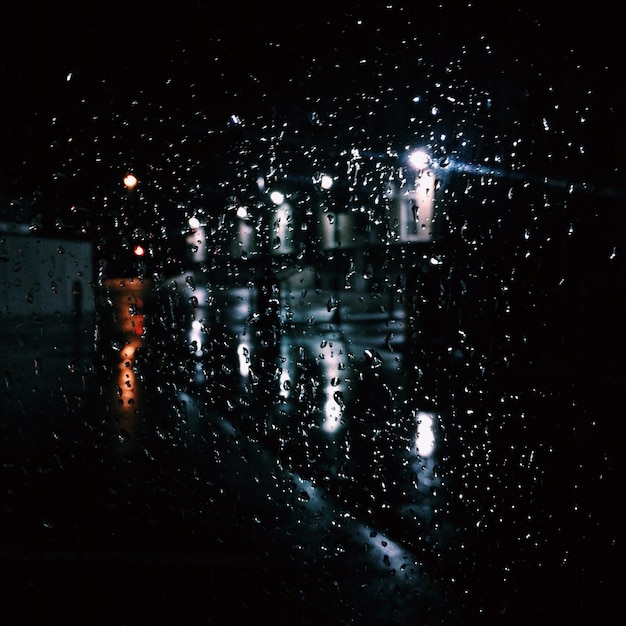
(310, 320)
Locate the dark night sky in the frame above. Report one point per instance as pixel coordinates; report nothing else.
(111, 74)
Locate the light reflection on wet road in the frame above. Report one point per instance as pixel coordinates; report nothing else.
(282, 460)
(208, 454)
(205, 460)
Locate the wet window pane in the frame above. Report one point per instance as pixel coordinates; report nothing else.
(311, 316)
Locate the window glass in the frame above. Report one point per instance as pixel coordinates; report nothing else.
(311, 314)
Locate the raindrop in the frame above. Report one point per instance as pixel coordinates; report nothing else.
(373, 358)
(388, 339)
(338, 398)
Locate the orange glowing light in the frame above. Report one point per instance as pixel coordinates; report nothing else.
(130, 181)
(138, 250)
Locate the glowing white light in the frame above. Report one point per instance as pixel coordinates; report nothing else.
(425, 439)
(326, 181)
(242, 212)
(243, 352)
(277, 197)
(130, 180)
(419, 159)
(195, 335)
(285, 383)
(194, 222)
(139, 251)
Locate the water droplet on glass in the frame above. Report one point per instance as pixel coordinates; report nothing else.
(338, 398)
(373, 358)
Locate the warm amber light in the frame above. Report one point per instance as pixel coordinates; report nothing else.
(130, 180)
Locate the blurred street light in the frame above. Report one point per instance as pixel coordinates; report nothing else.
(277, 197)
(419, 160)
(130, 181)
(326, 182)
(423, 194)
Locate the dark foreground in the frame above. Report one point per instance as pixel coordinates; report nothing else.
(198, 501)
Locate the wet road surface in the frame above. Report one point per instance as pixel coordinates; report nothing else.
(281, 481)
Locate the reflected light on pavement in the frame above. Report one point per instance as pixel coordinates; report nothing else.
(127, 297)
(425, 434)
(335, 388)
(243, 353)
(127, 381)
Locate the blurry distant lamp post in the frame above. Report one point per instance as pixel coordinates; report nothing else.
(426, 321)
(120, 317)
(244, 244)
(423, 195)
(196, 241)
(282, 239)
